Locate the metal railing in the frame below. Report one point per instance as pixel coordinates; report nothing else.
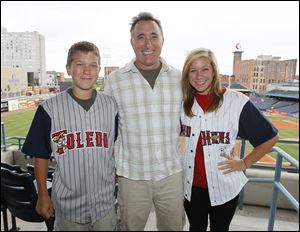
(277, 186)
(3, 137)
(4, 145)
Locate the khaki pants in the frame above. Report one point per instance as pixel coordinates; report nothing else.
(135, 198)
(108, 223)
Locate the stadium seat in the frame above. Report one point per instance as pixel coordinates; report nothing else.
(30, 169)
(18, 169)
(15, 168)
(18, 194)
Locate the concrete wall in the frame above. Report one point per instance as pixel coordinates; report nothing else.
(15, 156)
(261, 193)
(7, 157)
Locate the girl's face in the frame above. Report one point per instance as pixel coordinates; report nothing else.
(201, 75)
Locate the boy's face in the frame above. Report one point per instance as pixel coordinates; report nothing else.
(84, 70)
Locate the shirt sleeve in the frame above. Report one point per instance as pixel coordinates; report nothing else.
(37, 142)
(254, 126)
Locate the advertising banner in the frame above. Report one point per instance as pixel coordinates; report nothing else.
(22, 104)
(4, 106)
(31, 103)
(13, 105)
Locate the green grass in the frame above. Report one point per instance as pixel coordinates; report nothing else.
(292, 149)
(273, 117)
(284, 133)
(18, 124)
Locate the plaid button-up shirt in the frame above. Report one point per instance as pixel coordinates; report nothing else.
(149, 122)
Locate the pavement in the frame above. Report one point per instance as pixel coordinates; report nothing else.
(250, 218)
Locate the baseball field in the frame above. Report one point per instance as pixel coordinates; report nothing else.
(288, 128)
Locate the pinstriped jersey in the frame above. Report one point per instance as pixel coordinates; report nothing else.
(237, 117)
(82, 143)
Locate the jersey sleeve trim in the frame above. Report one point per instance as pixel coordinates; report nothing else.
(254, 126)
(37, 142)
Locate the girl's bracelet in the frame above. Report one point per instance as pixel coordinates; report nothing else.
(245, 164)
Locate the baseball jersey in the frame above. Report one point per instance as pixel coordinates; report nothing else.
(237, 117)
(149, 122)
(82, 143)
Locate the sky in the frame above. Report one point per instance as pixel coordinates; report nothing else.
(261, 28)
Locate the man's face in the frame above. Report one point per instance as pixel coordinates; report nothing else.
(147, 42)
(84, 70)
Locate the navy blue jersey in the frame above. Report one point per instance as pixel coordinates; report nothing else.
(254, 126)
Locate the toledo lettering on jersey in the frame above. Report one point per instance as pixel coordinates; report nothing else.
(75, 140)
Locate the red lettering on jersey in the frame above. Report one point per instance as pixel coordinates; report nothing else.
(221, 137)
(75, 140)
(78, 140)
(105, 140)
(227, 138)
(205, 136)
(70, 141)
(89, 138)
(185, 131)
(98, 139)
(214, 137)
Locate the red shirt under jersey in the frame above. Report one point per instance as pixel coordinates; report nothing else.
(200, 180)
(204, 102)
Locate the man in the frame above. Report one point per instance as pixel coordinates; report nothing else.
(148, 95)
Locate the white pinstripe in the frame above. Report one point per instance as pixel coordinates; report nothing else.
(84, 180)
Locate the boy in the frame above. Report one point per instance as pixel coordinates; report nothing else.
(78, 127)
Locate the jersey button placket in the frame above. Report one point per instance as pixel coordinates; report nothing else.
(87, 120)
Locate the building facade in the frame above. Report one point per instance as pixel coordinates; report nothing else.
(13, 82)
(53, 77)
(108, 70)
(25, 50)
(257, 73)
